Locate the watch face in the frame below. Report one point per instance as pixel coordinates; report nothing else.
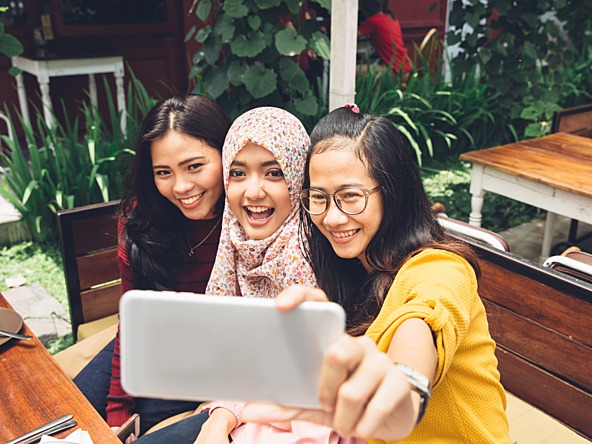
(419, 382)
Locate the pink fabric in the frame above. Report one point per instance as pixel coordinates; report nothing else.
(294, 432)
(263, 268)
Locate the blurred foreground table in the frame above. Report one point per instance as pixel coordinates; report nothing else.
(551, 172)
(46, 63)
(34, 390)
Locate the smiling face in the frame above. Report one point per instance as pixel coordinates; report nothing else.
(257, 191)
(349, 235)
(188, 172)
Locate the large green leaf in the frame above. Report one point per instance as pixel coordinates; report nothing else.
(203, 34)
(236, 8)
(211, 49)
(235, 72)
(288, 43)
(249, 45)
(291, 72)
(224, 28)
(203, 9)
(216, 82)
(308, 105)
(260, 81)
(254, 22)
(10, 46)
(321, 45)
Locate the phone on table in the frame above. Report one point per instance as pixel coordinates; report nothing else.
(188, 346)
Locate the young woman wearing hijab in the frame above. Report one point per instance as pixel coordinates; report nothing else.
(260, 254)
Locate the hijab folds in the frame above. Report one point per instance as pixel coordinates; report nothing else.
(263, 268)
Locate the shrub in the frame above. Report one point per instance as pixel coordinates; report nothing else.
(59, 168)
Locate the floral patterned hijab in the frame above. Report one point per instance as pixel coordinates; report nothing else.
(264, 267)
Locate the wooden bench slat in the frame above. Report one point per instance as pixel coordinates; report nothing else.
(97, 268)
(535, 300)
(555, 352)
(99, 303)
(549, 393)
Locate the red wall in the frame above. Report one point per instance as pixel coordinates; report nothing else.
(416, 18)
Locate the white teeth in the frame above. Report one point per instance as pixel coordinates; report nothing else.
(257, 209)
(343, 234)
(192, 199)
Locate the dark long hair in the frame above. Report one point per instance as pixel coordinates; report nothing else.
(156, 231)
(408, 225)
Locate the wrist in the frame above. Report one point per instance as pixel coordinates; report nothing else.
(223, 418)
(420, 384)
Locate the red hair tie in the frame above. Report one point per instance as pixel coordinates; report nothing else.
(353, 107)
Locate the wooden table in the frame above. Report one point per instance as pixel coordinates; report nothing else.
(553, 172)
(34, 390)
(45, 64)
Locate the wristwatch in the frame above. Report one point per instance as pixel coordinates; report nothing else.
(420, 384)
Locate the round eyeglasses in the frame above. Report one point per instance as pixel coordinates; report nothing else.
(349, 200)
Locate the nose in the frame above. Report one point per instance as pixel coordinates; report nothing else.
(254, 188)
(182, 185)
(334, 216)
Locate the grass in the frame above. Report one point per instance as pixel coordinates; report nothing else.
(36, 262)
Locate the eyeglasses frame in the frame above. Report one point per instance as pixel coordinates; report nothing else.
(367, 194)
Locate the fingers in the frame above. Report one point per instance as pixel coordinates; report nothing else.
(340, 361)
(358, 390)
(389, 413)
(294, 295)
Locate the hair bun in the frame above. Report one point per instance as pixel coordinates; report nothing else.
(353, 107)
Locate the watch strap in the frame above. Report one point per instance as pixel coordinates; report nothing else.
(420, 384)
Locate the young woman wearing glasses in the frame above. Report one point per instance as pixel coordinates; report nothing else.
(418, 364)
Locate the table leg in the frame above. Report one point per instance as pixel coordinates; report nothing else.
(22, 97)
(476, 206)
(46, 101)
(548, 236)
(92, 90)
(121, 97)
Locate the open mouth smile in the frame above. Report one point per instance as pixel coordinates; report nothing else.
(258, 215)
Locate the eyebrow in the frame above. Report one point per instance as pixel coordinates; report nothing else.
(343, 185)
(267, 163)
(186, 161)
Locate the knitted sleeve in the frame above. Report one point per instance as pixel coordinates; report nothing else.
(120, 405)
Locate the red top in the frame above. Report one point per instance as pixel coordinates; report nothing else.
(387, 38)
(194, 278)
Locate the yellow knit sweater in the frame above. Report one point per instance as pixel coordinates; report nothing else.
(468, 402)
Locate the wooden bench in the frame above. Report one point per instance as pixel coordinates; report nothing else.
(540, 320)
(89, 249)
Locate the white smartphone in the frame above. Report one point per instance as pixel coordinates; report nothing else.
(190, 346)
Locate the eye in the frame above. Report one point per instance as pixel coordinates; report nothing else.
(317, 196)
(162, 173)
(194, 166)
(236, 173)
(275, 173)
(350, 195)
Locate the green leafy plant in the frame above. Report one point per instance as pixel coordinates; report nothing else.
(437, 116)
(10, 46)
(534, 55)
(63, 167)
(249, 55)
